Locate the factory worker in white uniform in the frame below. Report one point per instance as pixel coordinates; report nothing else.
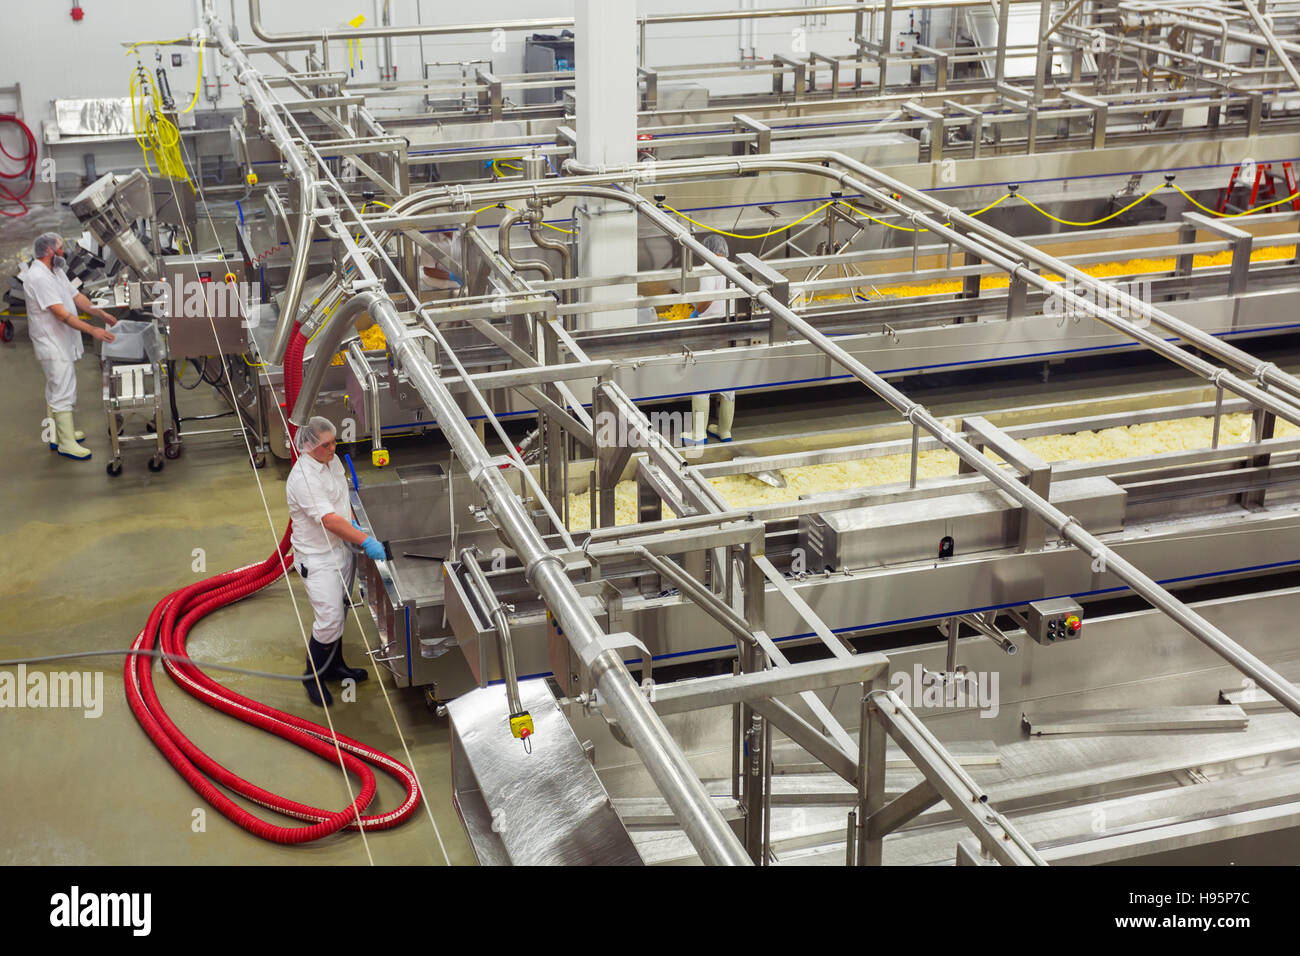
(700, 429)
(55, 327)
(442, 271)
(323, 529)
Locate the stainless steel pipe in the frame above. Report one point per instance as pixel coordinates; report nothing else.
(273, 128)
(698, 816)
(328, 341)
(503, 244)
(505, 646)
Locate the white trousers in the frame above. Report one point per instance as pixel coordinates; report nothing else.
(328, 580)
(60, 384)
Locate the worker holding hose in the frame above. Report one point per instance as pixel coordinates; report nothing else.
(717, 308)
(323, 530)
(54, 308)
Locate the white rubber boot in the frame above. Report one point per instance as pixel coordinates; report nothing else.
(698, 434)
(65, 433)
(77, 433)
(726, 415)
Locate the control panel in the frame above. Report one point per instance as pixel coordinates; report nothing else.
(1060, 619)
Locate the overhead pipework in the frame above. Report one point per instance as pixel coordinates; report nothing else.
(574, 564)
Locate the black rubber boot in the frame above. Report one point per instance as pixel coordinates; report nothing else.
(339, 669)
(320, 658)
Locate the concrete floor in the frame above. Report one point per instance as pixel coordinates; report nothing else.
(83, 559)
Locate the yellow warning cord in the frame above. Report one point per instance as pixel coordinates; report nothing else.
(1094, 222)
(1234, 215)
(997, 202)
(736, 235)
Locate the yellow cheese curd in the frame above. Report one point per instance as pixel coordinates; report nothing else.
(372, 340)
(1100, 270)
(1108, 444)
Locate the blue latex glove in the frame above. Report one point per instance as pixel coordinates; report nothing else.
(695, 314)
(451, 276)
(374, 550)
(357, 526)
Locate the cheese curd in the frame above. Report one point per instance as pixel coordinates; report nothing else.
(1107, 444)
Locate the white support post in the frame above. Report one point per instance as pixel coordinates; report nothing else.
(606, 86)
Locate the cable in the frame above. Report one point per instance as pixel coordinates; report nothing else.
(198, 80)
(179, 378)
(28, 170)
(292, 367)
(161, 655)
(761, 235)
(977, 212)
(1094, 222)
(1233, 215)
(154, 133)
(169, 625)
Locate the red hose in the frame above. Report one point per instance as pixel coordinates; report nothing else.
(168, 627)
(28, 170)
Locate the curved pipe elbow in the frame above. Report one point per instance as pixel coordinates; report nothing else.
(297, 279)
(328, 341)
(519, 265)
(557, 246)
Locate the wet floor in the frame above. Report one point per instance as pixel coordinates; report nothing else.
(83, 559)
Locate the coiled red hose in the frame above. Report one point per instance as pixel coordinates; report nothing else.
(28, 170)
(168, 627)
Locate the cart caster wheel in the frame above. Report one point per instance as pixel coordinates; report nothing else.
(114, 468)
(7, 331)
(259, 461)
(156, 463)
(171, 447)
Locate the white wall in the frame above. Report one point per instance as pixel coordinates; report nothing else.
(54, 57)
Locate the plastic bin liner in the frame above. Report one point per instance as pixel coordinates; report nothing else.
(134, 341)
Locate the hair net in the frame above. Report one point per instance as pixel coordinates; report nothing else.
(716, 244)
(46, 243)
(310, 436)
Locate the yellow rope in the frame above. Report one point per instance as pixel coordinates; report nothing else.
(1029, 202)
(1095, 222)
(761, 235)
(154, 133)
(198, 81)
(1233, 215)
(977, 212)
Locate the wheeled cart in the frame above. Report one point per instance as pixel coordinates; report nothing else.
(133, 380)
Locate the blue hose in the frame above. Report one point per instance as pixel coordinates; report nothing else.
(356, 484)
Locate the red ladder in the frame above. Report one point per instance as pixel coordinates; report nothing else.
(1265, 176)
